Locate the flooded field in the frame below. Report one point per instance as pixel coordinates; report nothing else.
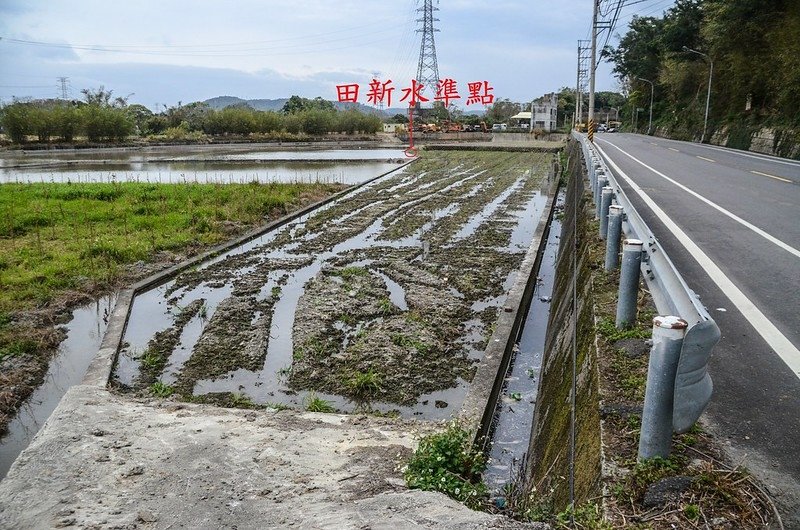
(212, 164)
(382, 300)
(84, 333)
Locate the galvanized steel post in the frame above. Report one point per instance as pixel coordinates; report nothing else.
(629, 282)
(606, 194)
(612, 236)
(656, 434)
(602, 182)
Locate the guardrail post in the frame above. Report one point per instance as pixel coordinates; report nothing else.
(606, 194)
(629, 282)
(656, 434)
(595, 193)
(602, 182)
(612, 236)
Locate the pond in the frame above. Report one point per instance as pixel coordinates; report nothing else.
(211, 164)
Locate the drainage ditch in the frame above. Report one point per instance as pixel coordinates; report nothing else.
(512, 423)
(84, 332)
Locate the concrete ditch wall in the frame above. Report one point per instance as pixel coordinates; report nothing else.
(550, 448)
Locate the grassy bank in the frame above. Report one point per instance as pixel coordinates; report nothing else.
(64, 243)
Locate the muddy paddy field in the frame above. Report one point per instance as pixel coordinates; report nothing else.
(381, 301)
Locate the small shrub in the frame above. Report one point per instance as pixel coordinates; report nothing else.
(447, 462)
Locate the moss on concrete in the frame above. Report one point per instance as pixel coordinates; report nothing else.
(550, 443)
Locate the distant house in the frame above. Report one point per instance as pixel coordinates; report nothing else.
(544, 112)
(393, 127)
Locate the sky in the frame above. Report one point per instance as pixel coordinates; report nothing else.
(162, 52)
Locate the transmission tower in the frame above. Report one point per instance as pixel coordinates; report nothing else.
(377, 77)
(63, 81)
(428, 67)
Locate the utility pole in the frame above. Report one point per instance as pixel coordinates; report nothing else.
(583, 78)
(428, 66)
(593, 68)
(708, 95)
(63, 82)
(577, 91)
(650, 124)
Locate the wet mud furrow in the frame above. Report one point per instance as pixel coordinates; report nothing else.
(381, 300)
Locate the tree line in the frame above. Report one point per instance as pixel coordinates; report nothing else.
(102, 118)
(755, 50)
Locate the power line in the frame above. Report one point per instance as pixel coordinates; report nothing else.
(201, 47)
(287, 49)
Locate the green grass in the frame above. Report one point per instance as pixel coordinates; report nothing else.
(67, 236)
(313, 403)
(348, 273)
(364, 385)
(161, 389)
(607, 328)
(406, 341)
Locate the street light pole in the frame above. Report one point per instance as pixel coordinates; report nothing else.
(649, 125)
(708, 95)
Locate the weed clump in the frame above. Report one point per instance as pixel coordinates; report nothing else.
(448, 463)
(314, 403)
(364, 386)
(161, 390)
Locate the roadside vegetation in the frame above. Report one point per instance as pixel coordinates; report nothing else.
(754, 47)
(63, 244)
(102, 118)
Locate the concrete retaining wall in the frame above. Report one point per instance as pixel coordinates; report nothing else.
(550, 448)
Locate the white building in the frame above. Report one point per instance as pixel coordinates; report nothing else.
(543, 114)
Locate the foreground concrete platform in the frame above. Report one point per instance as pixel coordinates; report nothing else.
(105, 462)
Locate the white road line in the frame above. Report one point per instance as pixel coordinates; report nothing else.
(772, 239)
(764, 158)
(704, 158)
(673, 149)
(763, 326)
(770, 176)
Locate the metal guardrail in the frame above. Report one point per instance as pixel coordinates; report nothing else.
(672, 296)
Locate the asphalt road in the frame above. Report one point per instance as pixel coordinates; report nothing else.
(742, 210)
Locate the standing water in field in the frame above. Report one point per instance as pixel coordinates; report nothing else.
(209, 165)
(83, 336)
(382, 300)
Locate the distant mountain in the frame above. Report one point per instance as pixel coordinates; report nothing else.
(220, 102)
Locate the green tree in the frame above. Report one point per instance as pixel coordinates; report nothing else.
(299, 104)
(67, 121)
(139, 115)
(501, 111)
(399, 118)
(16, 122)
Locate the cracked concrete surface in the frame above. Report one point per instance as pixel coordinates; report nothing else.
(103, 461)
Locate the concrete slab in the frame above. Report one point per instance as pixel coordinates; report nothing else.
(105, 462)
